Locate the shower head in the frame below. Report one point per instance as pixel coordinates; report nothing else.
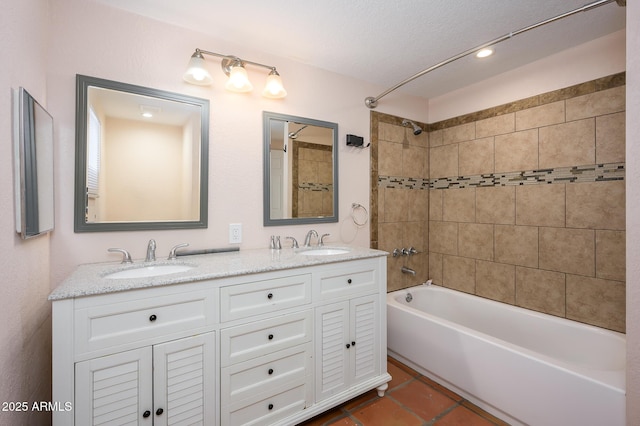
(294, 135)
(416, 129)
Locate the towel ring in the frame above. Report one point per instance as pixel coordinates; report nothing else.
(359, 214)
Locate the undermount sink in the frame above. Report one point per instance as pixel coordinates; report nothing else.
(148, 271)
(324, 252)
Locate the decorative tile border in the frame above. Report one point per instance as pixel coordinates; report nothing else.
(591, 173)
(312, 186)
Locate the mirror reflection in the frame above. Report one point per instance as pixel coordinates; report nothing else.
(141, 158)
(301, 173)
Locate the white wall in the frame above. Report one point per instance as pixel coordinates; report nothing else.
(25, 330)
(599, 58)
(95, 40)
(633, 213)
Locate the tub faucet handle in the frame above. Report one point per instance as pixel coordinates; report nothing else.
(412, 251)
(126, 257)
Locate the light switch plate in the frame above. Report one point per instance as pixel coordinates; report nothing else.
(235, 233)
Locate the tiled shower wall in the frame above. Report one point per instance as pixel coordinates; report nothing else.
(527, 203)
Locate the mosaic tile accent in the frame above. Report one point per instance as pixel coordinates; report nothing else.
(591, 173)
(313, 186)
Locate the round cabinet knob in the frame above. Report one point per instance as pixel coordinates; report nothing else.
(159, 411)
(270, 407)
(270, 296)
(353, 343)
(153, 317)
(146, 414)
(270, 371)
(349, 281)
(271, 337)
(348, 345)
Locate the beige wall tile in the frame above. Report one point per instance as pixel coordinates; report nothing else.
(396, 203)
(517, 151)
(435, 267)
(610, 255)
(540, 205)
(498, 125)
(421, 140)
(459, 273)
(596, 301)
(395, 278)
(418, 205)
(596, 205)
(496, 204)
(415, 235)
(516, 245)
(380, 201)
(463, 132)
(476, 157)
(568, 250)
(542, 291)
(389, 159)
(419, 263)
(435, 138)
(610, 138)
(568, 144)
(443, 237)
(496, 281)
(390, 132)
(443, 161)
(544, 115)
(435, 204)
(459, 205)
(390, 236)
(597, 103)
(475, 240)
(414, 162)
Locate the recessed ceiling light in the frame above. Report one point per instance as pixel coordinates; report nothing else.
(483, 53)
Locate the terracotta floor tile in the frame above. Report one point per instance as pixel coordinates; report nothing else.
(359, 400)
(484, 414)
(323, 418)
(422, 399)
(400, 365)
(385, 412)
(398, 375)
(451, 394)
(461, 416)
(345, 421)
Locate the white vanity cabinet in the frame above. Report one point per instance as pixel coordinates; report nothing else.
(273, 347)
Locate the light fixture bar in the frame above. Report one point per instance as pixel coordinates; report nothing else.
(233, 67)
(372, 102)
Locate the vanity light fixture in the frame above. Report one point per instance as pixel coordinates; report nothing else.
(233, 67)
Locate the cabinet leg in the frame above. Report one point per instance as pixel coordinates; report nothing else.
(381, 389)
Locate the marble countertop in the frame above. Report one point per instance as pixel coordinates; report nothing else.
(89, 279)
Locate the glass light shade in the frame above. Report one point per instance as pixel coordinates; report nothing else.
(274, 89)
(483, 53)
(238, 80)
(196, 72)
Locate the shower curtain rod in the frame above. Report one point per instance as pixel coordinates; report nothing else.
(372, 102)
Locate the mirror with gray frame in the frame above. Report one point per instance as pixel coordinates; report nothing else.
(33, 155)
(300, 170)
(141, 158)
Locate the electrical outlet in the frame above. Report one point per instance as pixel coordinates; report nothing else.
(235, 233)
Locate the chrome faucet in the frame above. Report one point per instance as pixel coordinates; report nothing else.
(307, 240)
(151, 251)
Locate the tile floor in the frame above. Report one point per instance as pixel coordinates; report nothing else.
(412, 399)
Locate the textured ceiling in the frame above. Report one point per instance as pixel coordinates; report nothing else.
(386, 41)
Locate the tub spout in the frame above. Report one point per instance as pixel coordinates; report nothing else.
(406, 270)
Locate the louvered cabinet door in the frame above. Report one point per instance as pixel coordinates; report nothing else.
(332, 355)
(184, 381)
(115, 389)
(365, 334)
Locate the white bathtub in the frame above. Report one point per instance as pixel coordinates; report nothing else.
(522, 366)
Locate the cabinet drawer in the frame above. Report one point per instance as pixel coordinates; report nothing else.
(260, 297)
(268, 408)
(99, 326)
(260, 338)
(344, 281)
(261, 374)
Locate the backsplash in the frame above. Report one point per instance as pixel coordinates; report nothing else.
(526, 203)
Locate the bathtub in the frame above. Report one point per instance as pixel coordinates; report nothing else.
(522, 366)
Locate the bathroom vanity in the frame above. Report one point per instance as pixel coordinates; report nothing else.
(252, 337)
